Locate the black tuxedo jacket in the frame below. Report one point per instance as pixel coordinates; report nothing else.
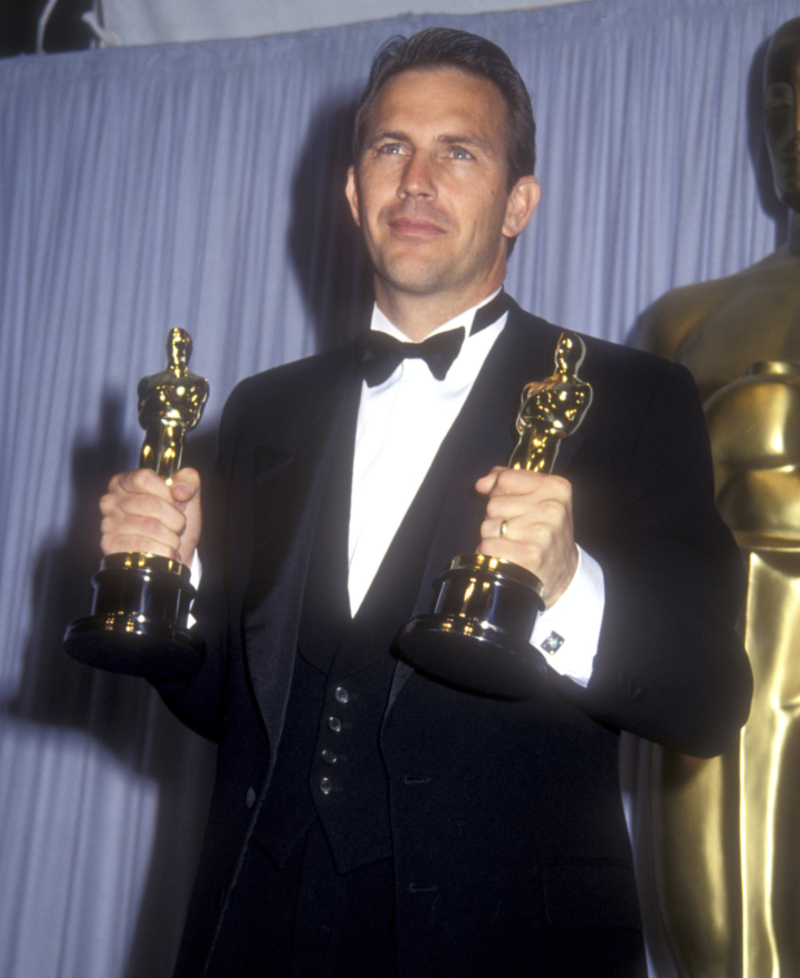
(506, 816)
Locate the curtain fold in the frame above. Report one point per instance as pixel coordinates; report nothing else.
(200, 185)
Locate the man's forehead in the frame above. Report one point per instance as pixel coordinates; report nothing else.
(425, 96)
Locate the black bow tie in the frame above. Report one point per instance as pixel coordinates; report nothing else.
(379, 354)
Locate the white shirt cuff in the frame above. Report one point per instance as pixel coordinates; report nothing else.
(568, 633)
(196, 571)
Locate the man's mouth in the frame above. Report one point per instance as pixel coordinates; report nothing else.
(415, 227)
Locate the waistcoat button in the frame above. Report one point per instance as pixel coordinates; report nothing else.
(341, 694)
(329, 757)
(335, 724)
(325, 785)
(250, 797)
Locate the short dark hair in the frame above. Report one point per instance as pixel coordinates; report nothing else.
(443, 47)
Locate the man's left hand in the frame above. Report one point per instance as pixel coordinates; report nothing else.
(536, 511)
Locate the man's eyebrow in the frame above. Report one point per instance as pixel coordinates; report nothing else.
(396, 136)
(466, 139)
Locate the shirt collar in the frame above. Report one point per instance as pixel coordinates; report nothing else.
(384, 325)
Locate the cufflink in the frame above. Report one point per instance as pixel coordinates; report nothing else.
(552, 643)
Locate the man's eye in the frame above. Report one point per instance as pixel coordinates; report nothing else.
(390, 149)
(459, 153)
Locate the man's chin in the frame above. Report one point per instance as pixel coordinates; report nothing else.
(420, 277)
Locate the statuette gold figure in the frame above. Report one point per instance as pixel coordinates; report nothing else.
(171, 403)
(477, 633)
(551, 409)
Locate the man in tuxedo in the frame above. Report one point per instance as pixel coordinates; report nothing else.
(369, 819)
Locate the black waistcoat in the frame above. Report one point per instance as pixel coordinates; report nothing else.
(329, 763)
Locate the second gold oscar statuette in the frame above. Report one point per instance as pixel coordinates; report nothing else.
(477, 634)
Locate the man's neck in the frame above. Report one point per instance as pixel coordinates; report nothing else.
(419, 316)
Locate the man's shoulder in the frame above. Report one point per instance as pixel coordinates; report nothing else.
(607, 362)
(278, 405)
(296, 376)
(311, 377)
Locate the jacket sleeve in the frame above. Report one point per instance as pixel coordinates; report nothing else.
(197, 701)
(670, 665)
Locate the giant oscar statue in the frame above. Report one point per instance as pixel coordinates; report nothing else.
(141, 601)
(727, 862)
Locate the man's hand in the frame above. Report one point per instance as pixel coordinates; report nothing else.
(141, 513)
(537, 512)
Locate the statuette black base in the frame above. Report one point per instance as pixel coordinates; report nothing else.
(477, 636)
(138, 624)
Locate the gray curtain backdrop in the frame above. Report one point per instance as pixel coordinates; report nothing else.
(199, 185)
(161, 21)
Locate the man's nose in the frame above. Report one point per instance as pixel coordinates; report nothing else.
(417, 177)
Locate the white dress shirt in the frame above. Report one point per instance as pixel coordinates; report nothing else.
(401, 424)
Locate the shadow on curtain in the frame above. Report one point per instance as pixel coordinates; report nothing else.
(323, 242)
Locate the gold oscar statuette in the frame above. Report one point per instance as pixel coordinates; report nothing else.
(139, 619)
(478, 634)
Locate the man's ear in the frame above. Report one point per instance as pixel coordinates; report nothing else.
(522, 203)
(351, 192)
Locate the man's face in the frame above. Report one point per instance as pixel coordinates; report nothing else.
(782, 111)
(430, 193)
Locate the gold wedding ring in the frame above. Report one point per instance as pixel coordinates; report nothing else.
(503, 528)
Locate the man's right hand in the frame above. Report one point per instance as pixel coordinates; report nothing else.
(142, 514)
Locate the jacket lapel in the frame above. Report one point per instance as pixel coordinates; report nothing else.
(290, 470)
